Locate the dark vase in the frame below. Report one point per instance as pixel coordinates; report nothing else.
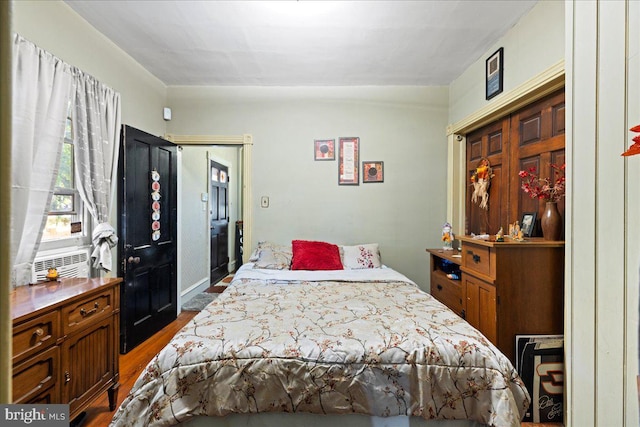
(551, 222)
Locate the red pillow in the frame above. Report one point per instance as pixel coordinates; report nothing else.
(308, 255)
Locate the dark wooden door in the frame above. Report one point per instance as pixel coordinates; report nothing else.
(147, 197)
(219, 226)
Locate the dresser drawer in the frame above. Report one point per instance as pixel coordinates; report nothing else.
(36, 375)
(35, 335)
(84, 312)
(477, 258)
(448, 292)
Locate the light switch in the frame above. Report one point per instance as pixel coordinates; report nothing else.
(264, 201)
(204, 197)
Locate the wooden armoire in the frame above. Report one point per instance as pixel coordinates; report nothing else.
(533, 136)
(510, 288)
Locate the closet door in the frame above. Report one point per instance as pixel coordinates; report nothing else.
(537, 141)
(490, 142)
(533, 136)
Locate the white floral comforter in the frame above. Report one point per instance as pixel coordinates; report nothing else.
(358, 341)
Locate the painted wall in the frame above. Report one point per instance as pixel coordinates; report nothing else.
(534, 44)
(401, 126)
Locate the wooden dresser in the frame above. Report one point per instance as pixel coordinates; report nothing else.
(506, 289)
(65, 342)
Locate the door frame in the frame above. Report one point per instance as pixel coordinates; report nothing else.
(244, 141)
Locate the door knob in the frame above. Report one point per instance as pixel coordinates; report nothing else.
(133, 260)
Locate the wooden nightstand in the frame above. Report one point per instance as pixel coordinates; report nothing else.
(446, 290)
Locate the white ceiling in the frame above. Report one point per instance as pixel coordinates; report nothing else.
(304, 43)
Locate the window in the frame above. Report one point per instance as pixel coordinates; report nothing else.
(66, 207)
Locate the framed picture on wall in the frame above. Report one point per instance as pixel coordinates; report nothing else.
(528, 223)
(372, 171)
(495, 73)
(348, 153)
(324, 149)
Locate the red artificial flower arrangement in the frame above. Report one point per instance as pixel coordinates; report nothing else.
(550, 190)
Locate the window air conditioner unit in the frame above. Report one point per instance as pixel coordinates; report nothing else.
(68, 264)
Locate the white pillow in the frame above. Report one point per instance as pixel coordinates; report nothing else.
(361, 256)
(272, 256)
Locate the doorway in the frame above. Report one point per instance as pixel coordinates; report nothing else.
(195, 152)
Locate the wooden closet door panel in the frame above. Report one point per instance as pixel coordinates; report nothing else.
(537, 139)
(490, 142)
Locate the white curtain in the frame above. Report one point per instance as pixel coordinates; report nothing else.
(43, 87)
(41, 92)
(96, 126)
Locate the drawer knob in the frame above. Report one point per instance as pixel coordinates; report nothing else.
(38, 332)
(439, 287)
(67, 376)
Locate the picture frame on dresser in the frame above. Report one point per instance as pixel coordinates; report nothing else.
(528, 223)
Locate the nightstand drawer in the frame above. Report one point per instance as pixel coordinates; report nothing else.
(477, 258)
(84, 312)
(448, 292)
(35, 335)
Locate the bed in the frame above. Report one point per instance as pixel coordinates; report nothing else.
(289, 346)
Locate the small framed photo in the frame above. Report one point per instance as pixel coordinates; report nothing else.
(372, 171)
(495, 73)
(324, 149)
(528, 223)
(348, 153)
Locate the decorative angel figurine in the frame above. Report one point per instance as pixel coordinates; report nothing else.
(447, 237)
